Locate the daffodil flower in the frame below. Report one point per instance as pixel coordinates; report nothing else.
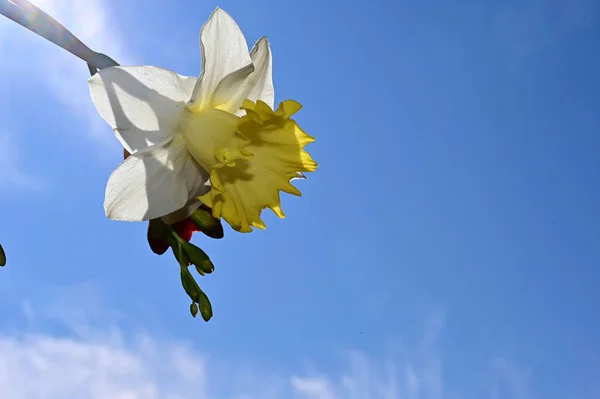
(216, 138)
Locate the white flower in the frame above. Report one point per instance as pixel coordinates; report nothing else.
(215, 139)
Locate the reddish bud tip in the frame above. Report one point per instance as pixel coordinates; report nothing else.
(185, 229)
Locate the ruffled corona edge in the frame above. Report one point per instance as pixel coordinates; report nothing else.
(266, 153)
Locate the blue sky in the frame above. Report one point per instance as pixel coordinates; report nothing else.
(445, 248)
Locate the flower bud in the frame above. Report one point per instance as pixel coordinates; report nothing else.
(156, 237)
(198, 257)
(205, 307)
(194, 309)
(207, 223)
(189, 284)
(193, 254)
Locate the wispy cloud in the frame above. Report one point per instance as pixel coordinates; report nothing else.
(42, 366)
(528, 27)
(112, 363)
(363, 377)
(12, 172)
(26, 57)
(512, 380)
(101, 359)
(90, 21)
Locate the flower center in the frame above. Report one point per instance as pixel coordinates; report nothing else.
(206, 130)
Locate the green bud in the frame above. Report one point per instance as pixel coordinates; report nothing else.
(2, 256)
(189, 284)
(194, 309)
(193, 254)
(207, 223)
(205, 307)
(199, 258)
(157, 236)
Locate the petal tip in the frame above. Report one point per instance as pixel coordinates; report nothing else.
(218, 11)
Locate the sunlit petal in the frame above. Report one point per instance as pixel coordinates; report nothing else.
(154, 184)
(142, 104)
(257, 86)
(224, 50)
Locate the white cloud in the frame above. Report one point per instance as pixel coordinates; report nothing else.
(109, 363)
(99, 360)
(42, 366)
(114, 366)
(315, 387)
(365, 378)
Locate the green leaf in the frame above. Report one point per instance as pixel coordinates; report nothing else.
(207, 223)
(205, 307)
(2, 256)
(194, 309)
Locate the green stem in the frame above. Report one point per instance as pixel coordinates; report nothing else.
(31, 17)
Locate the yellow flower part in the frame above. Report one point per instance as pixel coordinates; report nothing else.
(251, 165)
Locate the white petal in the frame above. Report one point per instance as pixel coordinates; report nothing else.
(257, 86)
(142, 104)
(154, 184)
(230, 85)
(260, 83)
(224, 50)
